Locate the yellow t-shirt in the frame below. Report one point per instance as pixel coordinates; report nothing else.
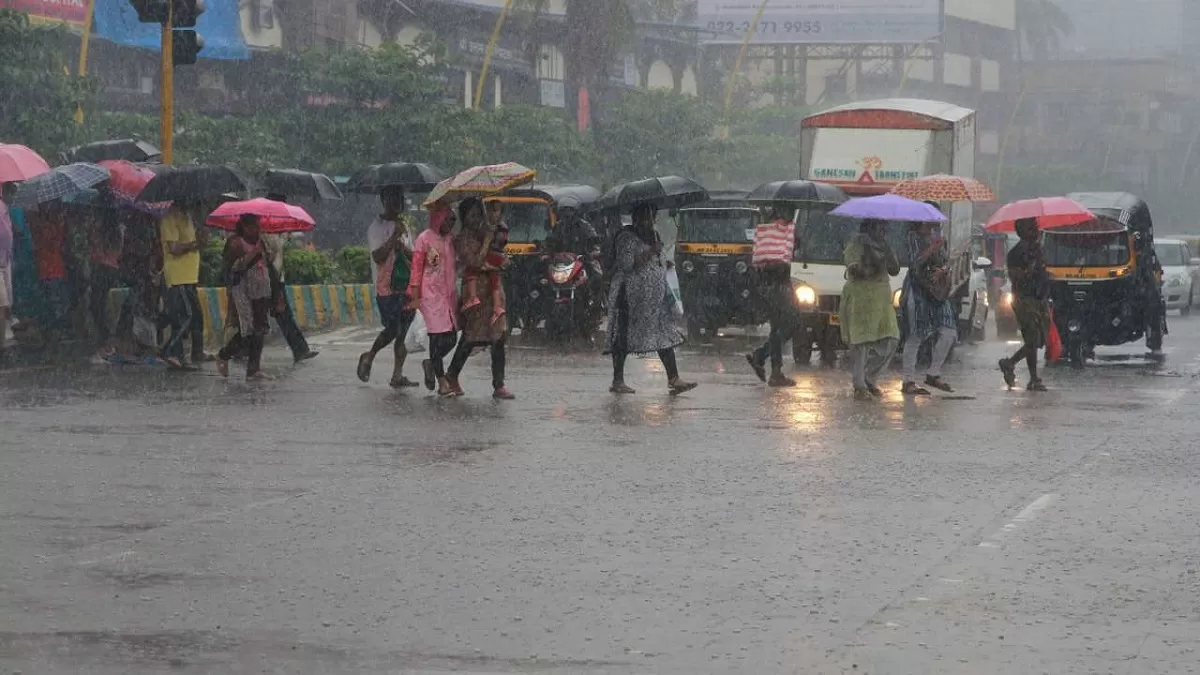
(179, 270)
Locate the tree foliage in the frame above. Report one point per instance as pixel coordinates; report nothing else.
(655, 133)
(38, 95)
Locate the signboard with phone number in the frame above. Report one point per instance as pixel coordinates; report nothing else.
(821, 21)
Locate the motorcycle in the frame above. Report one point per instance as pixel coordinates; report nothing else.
(573, 309)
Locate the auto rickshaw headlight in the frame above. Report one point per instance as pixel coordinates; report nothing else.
(688, 266)
(741, 267)
(806, 295)
(896, 299)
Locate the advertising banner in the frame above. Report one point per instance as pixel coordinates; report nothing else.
(220, 25)
(869, 157)
(72, 12)
(821, 21)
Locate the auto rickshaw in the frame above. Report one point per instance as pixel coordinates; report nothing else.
(1106, 286)
(713, 251)
(530, 214)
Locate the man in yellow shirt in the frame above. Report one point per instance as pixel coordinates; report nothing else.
(181, 244)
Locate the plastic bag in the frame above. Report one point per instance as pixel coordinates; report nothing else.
(416, 340)
(673, 290)
(1054, 345)
(145, 332)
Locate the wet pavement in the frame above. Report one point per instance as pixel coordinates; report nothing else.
(164, 523)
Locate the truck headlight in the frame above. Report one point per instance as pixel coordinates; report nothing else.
(740, 267)
(896, 299)
(806, 295)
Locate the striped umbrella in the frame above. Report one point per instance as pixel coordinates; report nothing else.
(480, 181)
(59, 183)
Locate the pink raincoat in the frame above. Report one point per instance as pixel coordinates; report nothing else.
(435, 278)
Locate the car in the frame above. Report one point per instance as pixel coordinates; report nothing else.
(1178, 274)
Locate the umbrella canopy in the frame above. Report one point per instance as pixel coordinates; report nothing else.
(18, 163)
(59, 183)
(273, 217)
(480, 181)
(945, 188)
(412, 177)
(1050, 212)
(796, 191)
(192, 183)
(295, 183)
(664, 192)
(890, 207)
(128, 149)
(128, 180)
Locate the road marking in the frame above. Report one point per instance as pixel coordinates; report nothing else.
(1027, 514)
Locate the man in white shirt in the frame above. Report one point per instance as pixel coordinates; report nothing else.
(391, 244)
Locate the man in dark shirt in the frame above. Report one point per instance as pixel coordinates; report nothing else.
(1031, 287)
(572, 234)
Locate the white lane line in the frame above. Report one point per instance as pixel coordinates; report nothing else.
(1027, 514)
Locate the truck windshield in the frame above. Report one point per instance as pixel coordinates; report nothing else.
(527, 222)
(1108, 249)
(822, 238)
(717, 226)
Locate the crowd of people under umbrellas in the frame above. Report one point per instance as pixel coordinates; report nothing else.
(451, 273)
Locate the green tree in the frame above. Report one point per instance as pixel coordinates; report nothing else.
(39, 95)
(536, 137)
(651, 133)
(1041, 25)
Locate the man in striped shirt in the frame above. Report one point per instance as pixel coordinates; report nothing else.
(774, 281)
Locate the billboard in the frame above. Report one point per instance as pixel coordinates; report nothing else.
(877, 158)
(69, 11)
(821, 21)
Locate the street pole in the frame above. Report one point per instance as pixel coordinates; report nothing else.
(487, 55)
(167, 85)
(737, 65)
(83, 53)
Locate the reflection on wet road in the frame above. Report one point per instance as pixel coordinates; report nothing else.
(156, 522)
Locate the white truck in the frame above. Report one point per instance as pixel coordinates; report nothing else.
(866, 148)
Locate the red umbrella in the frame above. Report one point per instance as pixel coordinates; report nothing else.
(273, 217)
(18, 163)
(1050, 212)
(126, 182)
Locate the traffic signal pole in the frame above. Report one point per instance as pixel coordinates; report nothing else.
(167, 87)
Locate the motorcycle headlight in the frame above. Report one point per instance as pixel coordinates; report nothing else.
(896, 299)
(741, 267)
(806, 295)
(688, 266)
(560, 275)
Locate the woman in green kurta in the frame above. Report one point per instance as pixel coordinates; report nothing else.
(867, 316)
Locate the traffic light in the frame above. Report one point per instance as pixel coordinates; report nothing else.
(151, 11)
(186, 12)
(185, 46)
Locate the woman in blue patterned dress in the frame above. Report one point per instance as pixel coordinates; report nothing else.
(922, 314)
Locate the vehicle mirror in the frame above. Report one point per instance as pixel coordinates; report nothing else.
(982, 263)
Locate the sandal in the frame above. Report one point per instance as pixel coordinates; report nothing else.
(781, 380)
(402, 382)
(364, 367)
(498, 314)
(1009, 372)
(223, 367)
(875, 391)
(621, 388)
(471, 303)
(938, 383)
(455, 388)
(679, 386)
(1036, 385)
(913, 389)
(758, 368)
(861, 394)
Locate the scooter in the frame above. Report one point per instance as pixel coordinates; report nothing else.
(573, 309)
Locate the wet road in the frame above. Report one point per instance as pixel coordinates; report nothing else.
(159, 523)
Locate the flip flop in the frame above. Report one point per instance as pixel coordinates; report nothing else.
(402, 383)
(759, 369)
(427, 369)
(364, 368)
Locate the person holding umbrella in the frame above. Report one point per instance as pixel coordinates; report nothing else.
(640, 319)
(867, 317)
(925, 309)
(391, 246)
(249, 281)
(774, 242)
(1026, 265)
(283, 314)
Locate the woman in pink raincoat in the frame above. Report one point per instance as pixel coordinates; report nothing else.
(434, 290)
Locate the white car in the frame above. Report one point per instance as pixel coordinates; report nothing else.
(1179, 275)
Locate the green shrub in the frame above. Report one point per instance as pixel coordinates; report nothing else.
(306, 268)
(211, 263)
(354, 265)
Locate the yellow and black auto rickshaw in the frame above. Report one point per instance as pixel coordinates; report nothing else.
(530, 212)
(713, 251)
(1106, 281)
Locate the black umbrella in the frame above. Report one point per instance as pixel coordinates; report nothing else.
(128, 149)
(294, 183)
(665, 192)
(796, 191)
(193, 183)
(413, 177)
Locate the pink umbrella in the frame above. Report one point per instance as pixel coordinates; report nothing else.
(18, 163)
(273, 217)
(1050, 212)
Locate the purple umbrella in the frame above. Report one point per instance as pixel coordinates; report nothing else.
(890, 207)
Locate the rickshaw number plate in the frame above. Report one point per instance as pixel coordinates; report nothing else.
(713, 268)
(750, 234)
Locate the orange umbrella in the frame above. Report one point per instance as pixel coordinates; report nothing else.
(945, 188)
